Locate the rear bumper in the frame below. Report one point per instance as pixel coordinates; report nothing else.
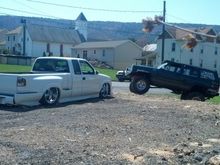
(30, 98)
(7, 99)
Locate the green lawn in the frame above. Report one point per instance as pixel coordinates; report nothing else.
(215, 100)
(20, 68)
(14, 68)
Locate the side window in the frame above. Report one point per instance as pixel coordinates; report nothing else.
(86, 67)
(190, 72)
(76, 67)
(207, 75)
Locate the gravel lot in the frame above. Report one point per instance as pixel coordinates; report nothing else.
(126, 129)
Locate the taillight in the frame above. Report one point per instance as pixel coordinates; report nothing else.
(21, 82)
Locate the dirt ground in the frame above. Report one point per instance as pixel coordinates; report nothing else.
(125, 129)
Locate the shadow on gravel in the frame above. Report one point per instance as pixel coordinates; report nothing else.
(17, 108)
(93, 100)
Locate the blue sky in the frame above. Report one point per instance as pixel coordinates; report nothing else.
(184, 11)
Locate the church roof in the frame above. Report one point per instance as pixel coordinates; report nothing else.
(81, 17)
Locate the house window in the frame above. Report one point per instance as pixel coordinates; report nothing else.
(94, 51)
(190, 61)
(215, 64)
(216, 50)
(8, 38)
(173, 47)
(201, 51)
(103, 53)
(61, 50)
(13, 38)
(13, 49)
(48, 47)
(85, 54)
(201, 63)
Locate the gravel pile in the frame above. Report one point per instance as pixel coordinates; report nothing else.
(126, 129)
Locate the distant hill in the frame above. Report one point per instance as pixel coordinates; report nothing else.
(99, 30)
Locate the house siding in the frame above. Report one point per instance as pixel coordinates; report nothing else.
(183, 55)
(107, 58)
(126, 55)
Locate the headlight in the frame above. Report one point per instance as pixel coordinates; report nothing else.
(21, 82)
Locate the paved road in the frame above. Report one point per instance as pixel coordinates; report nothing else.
(124, 86)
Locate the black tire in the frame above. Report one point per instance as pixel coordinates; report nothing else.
(50, 97)
(105, 91)
(121, 80)
(197, 96)
(140, 85)
(131, 87)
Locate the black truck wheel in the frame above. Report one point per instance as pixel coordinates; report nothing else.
(139, 85)
(193, 96)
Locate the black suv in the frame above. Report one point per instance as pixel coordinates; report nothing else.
(193, 83)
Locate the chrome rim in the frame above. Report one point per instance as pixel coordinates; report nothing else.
(51, 95)
(105, 90)
(141, 85)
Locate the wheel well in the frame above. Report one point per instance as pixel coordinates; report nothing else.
(198, 89)
(140, 74)
(50, 88)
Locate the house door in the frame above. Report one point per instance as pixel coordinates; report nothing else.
(85, 54)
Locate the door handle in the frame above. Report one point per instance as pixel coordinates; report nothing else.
(83, 78)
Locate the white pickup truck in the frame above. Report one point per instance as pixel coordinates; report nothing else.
(53, 80)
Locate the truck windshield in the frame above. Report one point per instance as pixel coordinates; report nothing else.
(50, 65)
(162, 66)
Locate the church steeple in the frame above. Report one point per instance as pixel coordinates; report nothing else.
(81, 25)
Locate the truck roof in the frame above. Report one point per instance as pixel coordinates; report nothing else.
(64, 58)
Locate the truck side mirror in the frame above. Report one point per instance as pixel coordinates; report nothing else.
(96, 72)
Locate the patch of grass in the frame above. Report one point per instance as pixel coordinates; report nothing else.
(21, 68)
(215, 100)
(14, 68)
(109, 72)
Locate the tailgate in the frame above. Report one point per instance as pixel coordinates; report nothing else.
(8, 84)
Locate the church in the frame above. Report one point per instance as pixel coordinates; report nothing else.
(32, 40)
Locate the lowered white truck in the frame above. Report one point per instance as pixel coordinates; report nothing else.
(53, 80)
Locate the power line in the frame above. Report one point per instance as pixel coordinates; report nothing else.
(27, 12)
(93, 9)
(23, 4)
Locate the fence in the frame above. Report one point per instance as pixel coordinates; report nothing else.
(16, 60)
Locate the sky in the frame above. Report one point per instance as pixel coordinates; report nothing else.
(177, 11)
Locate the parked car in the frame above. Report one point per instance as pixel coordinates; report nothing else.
(193, 83)
(53, 80)
(121, 75)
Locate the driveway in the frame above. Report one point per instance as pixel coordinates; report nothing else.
(124, 87)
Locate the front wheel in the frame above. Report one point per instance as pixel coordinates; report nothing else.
(50, 97)
(139, 85)
(105, 91)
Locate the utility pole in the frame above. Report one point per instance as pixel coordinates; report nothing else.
(163, 32)
(23, 21)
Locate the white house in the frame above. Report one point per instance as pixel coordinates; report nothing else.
(118, 54)
(205, 54)
(44, 40)
(2, 39)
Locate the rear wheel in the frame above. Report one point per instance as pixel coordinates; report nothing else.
(105, 91)
(139, 85)
(197, 96)
(50, 97)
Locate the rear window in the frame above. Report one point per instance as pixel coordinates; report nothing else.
(51, 65)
